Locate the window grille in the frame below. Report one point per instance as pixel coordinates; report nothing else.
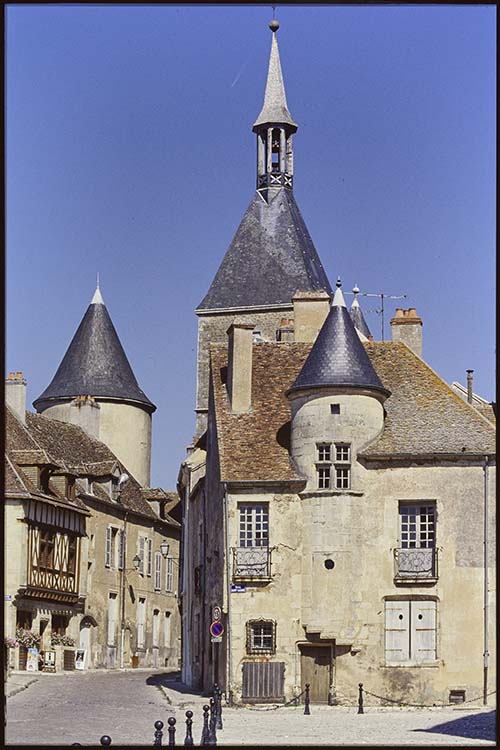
(261, 636)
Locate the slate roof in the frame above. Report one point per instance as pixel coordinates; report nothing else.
(358, 319)
(424, 415)
(338, 357)
(270, 257)
(275, 108)
(95, 364)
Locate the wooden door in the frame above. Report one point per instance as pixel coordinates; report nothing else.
(315, 665)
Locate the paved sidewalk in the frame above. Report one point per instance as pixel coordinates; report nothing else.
(18, 681)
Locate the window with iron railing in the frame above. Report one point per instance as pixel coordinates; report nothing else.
(416, 558)
(252, 557)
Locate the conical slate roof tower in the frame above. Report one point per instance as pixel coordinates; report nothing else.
(272, 255)
(95, 363)
(338, 357)
(95, 387)
(357, 316)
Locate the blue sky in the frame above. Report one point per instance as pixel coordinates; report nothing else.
(129, 152)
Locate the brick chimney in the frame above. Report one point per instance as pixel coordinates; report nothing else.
(239, 365)
(15, 394)
(406, 327)
(310, 310)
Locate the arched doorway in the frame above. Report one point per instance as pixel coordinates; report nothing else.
(86, 625)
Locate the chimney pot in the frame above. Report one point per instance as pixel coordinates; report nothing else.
(406, 326)
(469, 386)
(15, 394)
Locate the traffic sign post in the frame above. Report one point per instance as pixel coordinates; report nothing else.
(216, 629)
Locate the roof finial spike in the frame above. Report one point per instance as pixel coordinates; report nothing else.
(355, 291)
(338, 297)
(274, 25)
(97, 298)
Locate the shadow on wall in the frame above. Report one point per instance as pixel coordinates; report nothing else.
(480, 726)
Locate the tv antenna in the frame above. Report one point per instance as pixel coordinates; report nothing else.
(382, 297)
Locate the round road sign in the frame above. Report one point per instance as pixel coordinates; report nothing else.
(216, 629)
(216, 613)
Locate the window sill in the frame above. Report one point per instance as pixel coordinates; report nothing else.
(411, 665)
(416, 581)
(329, 493)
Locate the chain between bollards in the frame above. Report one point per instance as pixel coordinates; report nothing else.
(307, 702)
(360, 699)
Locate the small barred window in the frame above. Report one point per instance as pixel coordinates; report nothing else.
(261, 637)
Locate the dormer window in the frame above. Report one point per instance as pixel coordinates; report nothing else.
(70, 488)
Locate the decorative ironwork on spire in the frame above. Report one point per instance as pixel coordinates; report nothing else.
(274, 127)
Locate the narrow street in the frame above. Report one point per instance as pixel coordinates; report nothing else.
(81, 707)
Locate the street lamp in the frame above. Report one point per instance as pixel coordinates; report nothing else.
(136, 563)
(164, 548)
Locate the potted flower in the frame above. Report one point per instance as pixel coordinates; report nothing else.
(10, 642)
(27, 638)
(62, 640)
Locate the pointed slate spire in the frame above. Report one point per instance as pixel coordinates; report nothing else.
(338, 358)
(275, 108)
(357, 316)
(95, 363)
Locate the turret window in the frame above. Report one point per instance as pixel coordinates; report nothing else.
(333, 466)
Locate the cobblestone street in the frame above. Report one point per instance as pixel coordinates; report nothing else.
(81, 707)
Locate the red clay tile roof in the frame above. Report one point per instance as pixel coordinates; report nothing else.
(424, 415)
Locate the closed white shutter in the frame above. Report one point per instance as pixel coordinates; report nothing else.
(423, 630)
(107, 552)
(112, 613)
(169, 579)
(167, 630)
(156, 627)
(158, 571)
(141, 554)
(397, 631)
(141, 610)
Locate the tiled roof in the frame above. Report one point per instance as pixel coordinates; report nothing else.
(255, 445)
(424, 416)
(12, 480)
(270, 257)
(95, 364)
(358, 319)
(70, 448)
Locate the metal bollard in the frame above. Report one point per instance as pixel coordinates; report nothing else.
(105, 740)
(189, 731)
(360, 699)
(307, 710)
(158, 732)
(204, 733)
(212, 737)
(218, 703)
(171, 731)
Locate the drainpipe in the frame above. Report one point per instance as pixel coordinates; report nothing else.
(486, 654)
(229, 676)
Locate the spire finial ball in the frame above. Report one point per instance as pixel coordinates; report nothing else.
(274, 25)
(339, 283)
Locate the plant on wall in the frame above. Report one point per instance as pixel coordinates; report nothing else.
(27, 638)
(10, 642)
(62, 640)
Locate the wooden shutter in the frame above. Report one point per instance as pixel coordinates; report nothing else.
(158, 571)
(141, 554)
(150, 556)
(107, 554)
(263, 681)
(112, 612)
(397, 631)
(423, 630)
(121, 551)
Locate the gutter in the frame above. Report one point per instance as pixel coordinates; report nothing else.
(485, 593)
(229, 667)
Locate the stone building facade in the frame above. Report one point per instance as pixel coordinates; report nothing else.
(75, 521)
(338, 502)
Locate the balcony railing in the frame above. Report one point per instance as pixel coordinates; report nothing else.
(252, 562)
(415, 564)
